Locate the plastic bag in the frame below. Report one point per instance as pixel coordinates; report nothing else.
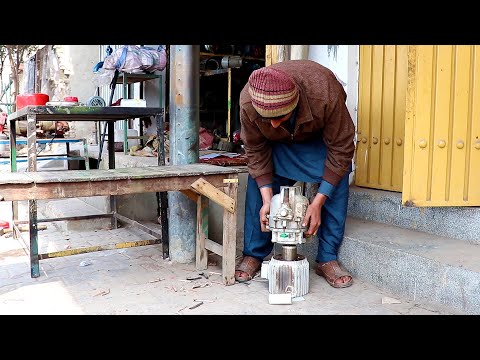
(103, 77)
(136, 59)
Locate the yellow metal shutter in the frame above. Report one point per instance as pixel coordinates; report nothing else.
(381, 116)
(442, 152)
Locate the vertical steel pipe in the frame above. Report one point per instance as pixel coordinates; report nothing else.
(184, 124)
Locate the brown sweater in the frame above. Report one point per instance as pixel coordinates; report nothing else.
(321, 112)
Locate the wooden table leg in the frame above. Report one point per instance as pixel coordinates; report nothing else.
(230, 235)
(201, 253)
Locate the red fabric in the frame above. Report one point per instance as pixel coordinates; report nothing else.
(117, 103)
(226, 161)
(205, 139)
(3, 121)
(4, 224)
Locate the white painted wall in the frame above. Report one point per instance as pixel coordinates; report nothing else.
(67, 70)
(82, 59)
(335, 57)
(343, 61)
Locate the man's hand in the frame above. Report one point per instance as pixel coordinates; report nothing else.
(264, 211)
(267, 194)
(313, 215)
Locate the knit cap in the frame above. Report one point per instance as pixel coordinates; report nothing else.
(273, 92)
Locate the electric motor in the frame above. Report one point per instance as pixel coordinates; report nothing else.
(287, 211)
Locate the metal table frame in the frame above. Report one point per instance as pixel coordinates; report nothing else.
(66, 141)
(110, 114)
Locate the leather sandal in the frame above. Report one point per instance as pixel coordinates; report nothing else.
(247, 269)
(332, 271)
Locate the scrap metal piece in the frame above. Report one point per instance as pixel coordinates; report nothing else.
(196, 305)
(194, 278)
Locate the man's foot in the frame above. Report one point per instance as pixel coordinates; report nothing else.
(335, 275)
(247, 269)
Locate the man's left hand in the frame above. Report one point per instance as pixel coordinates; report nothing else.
(313, 215)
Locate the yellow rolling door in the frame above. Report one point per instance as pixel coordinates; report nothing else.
(381, 116)
(442, 154)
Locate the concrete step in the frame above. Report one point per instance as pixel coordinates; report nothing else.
(386, 207)
(422, 267)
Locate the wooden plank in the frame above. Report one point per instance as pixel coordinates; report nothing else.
(205, 188)
(15, 178)
(214, 247)
(198, 169)
(229, 237)
(115, 174)
(61, 190)
(190, 194)
(201, 255)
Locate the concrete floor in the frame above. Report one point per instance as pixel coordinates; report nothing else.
(139, 281)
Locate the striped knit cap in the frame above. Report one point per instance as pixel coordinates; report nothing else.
(273, 92)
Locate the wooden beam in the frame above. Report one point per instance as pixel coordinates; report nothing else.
(61, 190)
(205, 188)
(214, 247)
(192, 195)
(201, 255)
(229, 237)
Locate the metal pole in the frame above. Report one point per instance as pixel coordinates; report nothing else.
(184, 124)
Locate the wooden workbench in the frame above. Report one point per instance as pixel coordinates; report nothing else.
(200, 182)
(189, 179)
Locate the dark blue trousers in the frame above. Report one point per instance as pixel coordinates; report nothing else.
(330, 234)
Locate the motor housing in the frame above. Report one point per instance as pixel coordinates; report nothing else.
(287, 210)
(288, 272)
